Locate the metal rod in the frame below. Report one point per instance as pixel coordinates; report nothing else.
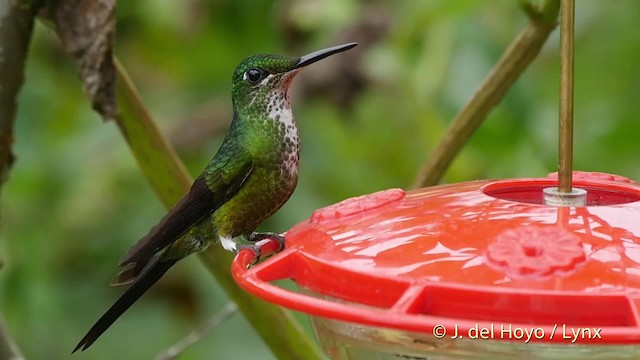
(565, 164)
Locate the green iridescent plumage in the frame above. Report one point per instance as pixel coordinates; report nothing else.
(252, 175)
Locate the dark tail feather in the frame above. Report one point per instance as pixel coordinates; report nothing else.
(144, 281)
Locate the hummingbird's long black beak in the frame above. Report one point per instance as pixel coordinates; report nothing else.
(321, 54)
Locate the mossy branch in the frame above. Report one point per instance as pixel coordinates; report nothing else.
(168, 177)
(514, 61)
(16, 25)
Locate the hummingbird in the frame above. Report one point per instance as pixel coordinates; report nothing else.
(252, 175)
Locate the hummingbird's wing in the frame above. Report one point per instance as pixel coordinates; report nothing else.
(224, 176)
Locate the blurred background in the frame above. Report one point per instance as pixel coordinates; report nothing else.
(368, 119)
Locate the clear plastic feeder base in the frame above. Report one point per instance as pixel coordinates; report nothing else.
(347, 341)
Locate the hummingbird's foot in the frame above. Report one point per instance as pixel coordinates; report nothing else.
(255, 249)
(259, 240)
(257, 236)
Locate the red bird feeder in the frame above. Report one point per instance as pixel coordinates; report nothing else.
(480, 269)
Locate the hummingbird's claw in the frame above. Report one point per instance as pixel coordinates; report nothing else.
(257, 236)
(255, 249)
(259, 239)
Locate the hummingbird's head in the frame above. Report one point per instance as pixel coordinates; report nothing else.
(259, 78)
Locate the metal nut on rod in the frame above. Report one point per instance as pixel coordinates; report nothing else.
(554, 197)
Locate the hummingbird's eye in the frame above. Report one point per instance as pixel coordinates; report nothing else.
(254, 75)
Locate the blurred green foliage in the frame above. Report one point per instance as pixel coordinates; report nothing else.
(75, 200)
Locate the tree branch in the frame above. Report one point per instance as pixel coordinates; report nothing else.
(174, 351)
(16, 24)
(515, 60)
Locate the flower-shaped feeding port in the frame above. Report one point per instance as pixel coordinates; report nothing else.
(535, 251)
(356, 205)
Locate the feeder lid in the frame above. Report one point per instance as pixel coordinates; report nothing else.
(466, 255)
